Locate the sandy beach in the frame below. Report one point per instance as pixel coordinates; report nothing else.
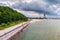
(36, 20)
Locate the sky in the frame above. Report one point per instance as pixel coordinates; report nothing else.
(35, 8)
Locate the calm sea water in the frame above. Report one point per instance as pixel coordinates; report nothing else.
(43, 30)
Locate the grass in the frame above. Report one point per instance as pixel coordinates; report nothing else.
(3, 26)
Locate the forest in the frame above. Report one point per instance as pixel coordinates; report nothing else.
(8, 15)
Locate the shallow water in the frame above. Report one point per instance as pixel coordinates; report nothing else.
(43, 30)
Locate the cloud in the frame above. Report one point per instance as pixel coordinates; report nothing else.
(53, 1)
(50, 7)
(9, 0)
(32, 14)
(39, 6)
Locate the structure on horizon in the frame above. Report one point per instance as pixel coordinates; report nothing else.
(44, 15)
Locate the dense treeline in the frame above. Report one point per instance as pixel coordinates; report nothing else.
(8, 15)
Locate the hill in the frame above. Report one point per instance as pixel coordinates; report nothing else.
(8, 15)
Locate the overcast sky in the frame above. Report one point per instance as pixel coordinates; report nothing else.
(33, 8)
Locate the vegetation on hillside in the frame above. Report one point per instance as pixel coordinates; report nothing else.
(8, 15)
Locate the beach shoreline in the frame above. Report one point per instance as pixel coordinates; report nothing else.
(36, 20)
